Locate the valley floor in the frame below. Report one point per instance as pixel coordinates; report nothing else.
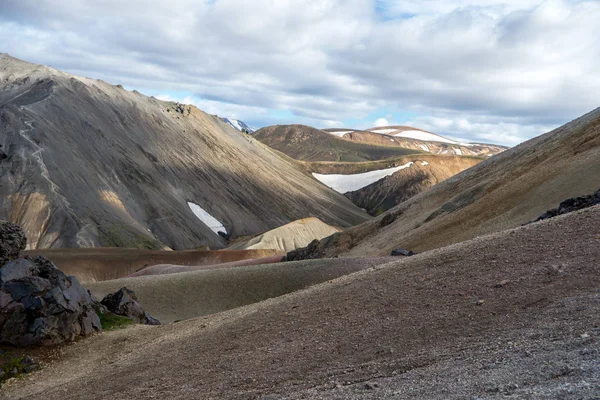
(509, 315)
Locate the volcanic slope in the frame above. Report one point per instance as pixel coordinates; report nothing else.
(91, 164)
(309, 144)
(288, 237)
(504, 191)
(510, 314)
(417, 139)
(423, 173)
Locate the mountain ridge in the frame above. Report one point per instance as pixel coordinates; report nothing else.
(132, 165)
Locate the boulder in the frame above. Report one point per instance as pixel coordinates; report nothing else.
(402, 252)
(570, 205)
(12, 241)
(40, 305)
(124, 302)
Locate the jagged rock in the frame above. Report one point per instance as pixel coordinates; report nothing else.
(40, 305)
(570, 205)
(304, 253)
(124, 302)
(12, 241)
(387, 219)
(402, 252)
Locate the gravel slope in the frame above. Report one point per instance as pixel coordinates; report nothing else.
(184, 295)
(94, 165)
(443, 325)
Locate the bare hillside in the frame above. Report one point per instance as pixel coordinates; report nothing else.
(90, 265)
(309, 144)
(505, 191)
(425, 172)
(416, 139)
(288, 237)
(511, 314)
(90, 164)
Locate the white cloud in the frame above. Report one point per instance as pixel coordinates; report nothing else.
(480, 129)
(509, 66)
(381, 122)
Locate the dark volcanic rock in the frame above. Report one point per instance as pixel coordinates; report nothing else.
(12, 241)
(570, 205)
(124, 302)
(304, 253)
(40, 305)
(402, 252)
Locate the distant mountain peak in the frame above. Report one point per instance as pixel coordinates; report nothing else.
(239, 125)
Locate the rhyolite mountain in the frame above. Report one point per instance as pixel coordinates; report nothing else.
(502, 192)
(91, 164)
(428, 158)
(409, 137)
(305, 143)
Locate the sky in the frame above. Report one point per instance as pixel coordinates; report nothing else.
(494, 71)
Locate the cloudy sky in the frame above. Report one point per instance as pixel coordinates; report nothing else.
(480, 70)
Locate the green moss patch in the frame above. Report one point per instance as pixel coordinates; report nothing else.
(111, 322)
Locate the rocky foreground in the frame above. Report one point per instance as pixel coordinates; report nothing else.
(509, 315)
(41, 306)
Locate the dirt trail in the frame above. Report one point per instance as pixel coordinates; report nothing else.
(510, 314)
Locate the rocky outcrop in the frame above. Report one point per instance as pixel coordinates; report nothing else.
(40, 305)
(12, 241)
(316, 248)
(570, 205)
(402, 252)
(124, 302)
(304, 253)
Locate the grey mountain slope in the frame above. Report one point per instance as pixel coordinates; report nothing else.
(91, 164)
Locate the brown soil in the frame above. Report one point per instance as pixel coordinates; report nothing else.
(309, 144)
(510, 314)
(179, 296)
(95, 265)
(163, 269)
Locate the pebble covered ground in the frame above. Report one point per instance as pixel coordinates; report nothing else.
(509, 315)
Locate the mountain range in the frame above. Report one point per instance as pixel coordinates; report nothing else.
(500, 300)
(90, 164)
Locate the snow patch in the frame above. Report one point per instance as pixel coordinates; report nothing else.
(207, 219)
(425, 136)
(349, 183)
(384, 131)
(424, 163)
(340, 133)
(458, 152)
(237, 124)
(424, 147)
